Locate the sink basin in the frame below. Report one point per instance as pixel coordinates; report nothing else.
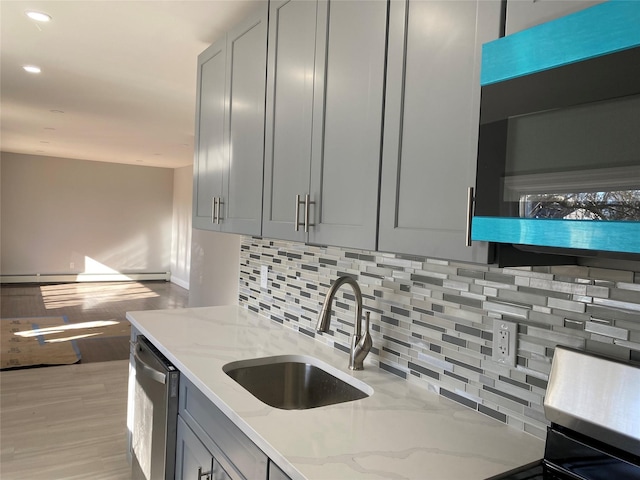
(296, 382)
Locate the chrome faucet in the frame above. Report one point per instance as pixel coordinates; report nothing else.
(360, 342)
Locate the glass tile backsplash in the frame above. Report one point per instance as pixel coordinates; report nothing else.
(432, 320)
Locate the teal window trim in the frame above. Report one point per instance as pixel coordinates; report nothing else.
(606, 28)
(612, 236)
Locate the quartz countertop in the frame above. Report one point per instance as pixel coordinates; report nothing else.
(401, 431)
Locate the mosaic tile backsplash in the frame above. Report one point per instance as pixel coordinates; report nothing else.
(432, 320)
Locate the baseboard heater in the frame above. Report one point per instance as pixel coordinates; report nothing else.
(85, 277)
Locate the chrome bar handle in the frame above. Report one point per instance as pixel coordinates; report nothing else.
(296, 221)
(206, 475)
(306, 213)
(219, 215)
(213, 209)
(307, 204)
(470, 201)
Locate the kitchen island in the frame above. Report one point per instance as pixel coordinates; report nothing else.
(400, 431)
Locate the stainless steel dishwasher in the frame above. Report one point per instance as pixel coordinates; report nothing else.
(155, 414)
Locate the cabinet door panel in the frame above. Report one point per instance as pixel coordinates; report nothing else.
(432, 122)
(246, 77)
(431, 125)
(275, 473)
(348, 122)
(209, 160)
(231, 447)
(292, 30)
(191, 454)
(522, 14)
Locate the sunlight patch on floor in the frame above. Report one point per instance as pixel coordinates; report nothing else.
(62, 328)
(92, 294)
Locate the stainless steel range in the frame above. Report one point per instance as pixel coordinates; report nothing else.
(593, 404)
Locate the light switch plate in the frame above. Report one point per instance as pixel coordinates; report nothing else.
(505, 342)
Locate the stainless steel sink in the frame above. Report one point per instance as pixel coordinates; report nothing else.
(293, 382)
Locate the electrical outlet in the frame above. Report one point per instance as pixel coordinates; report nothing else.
(505, 342)
(72, 265)
(264, 276)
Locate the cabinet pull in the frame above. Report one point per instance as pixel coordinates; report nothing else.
(215, 213)
(296, 221)
(218, 214)
(470, 200)
(297, 216)
(307, 204)
(215, 210)
(206, 475)
(306, 213)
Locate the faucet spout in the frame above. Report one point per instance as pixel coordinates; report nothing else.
(360, 344)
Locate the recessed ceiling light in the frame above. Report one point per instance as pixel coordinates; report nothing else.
(38, 16)
(31, 68)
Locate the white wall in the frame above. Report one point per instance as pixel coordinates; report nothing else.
(59, 212)
(215, 269)
(181, 240)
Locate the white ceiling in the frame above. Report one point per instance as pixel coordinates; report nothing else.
(122, 71)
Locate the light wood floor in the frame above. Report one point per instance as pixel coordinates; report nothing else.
(66, 422)
(69, 422)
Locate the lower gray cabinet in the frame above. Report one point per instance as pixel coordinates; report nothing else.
(275, 473)
(234, 455)
(193, 460)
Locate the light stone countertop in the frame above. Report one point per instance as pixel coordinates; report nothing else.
(402, 431)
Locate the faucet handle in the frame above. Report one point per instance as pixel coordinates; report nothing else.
(360, 346)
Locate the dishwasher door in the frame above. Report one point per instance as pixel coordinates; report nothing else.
(155, 413)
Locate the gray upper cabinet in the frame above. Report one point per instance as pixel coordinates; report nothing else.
(345, 160)
(522, 14)
(324, 121)
(290, 77)
(241, 209)
(230, 130)
(431, 125)
(209, 158)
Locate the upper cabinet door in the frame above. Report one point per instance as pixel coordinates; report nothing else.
(290, 78)
(209, 159)
(522, 14)
(246, 66)
(431, 125)
(347, 123)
